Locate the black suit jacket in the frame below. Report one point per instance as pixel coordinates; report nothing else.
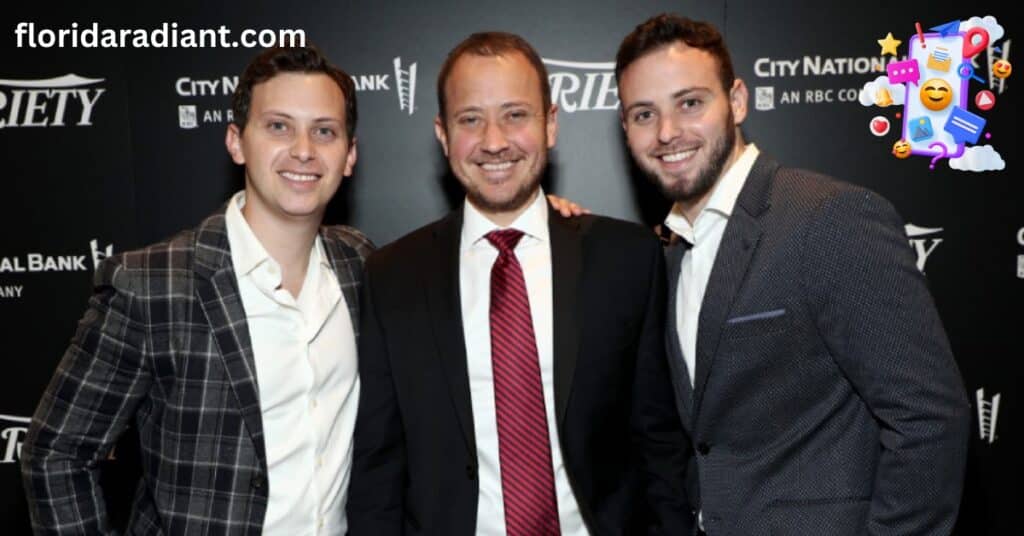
(415, 468)
(826, 398)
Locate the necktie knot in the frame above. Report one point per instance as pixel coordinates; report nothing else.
(504, 239)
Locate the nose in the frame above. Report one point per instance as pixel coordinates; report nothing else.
(494, 140)
(302, 147)
(667, 129)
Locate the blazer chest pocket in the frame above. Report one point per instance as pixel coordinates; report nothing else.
(757, 323)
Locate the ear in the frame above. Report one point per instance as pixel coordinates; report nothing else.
(350, 160)
(441, 133)
(552, 125)
(738, 101)
(233, 142)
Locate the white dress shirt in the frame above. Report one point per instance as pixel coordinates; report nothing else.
(476, 256)
(306, 372)
(705, 235)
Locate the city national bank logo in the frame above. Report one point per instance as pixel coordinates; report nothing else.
(924, 240)
(404, 84)
(39, 262)
(12, 433)
(988, 415)
(53, 102)
(582, 86)
(191, 115)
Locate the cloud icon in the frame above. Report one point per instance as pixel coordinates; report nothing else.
(994, 29)
(978, 158)
(879, 92)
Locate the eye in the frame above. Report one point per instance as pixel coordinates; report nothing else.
(689, 103)
(516, 116)
(277, 127)
(642, 117)
(469, 121)
(325, 133)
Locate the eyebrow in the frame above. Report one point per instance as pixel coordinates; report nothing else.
(504, 106)
(677, 95)
(277, 113)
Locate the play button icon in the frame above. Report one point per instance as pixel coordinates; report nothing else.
(985, 100)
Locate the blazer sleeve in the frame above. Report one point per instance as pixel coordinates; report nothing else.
(377, 487)
(89, 401)
(879, 322)
(657, 428)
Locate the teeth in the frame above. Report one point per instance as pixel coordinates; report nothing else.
(497, 167)
(676, 157)
(300, 177)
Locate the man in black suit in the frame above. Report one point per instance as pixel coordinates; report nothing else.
(812, 370)
(513, 366)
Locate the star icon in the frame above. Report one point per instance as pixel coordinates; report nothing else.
(889, 44)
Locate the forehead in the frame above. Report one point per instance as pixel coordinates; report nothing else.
(483, 81)
(299, 94)
(669, 68)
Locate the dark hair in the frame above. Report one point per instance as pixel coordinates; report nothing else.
(493, 44)
(277, 60)
(665, 29)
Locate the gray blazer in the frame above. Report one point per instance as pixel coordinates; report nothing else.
(826, 399)
(165, 347)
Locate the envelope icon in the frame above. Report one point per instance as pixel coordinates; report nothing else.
(939, 60)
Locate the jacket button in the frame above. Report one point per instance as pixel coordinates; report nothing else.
(258, 481)
(470, 472)
(703, 448)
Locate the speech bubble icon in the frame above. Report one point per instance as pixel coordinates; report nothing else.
(973, 46)
(964, 126)
(903, 71)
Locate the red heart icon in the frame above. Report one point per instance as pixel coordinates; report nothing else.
(879, 126)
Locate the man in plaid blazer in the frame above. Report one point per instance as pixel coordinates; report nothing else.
(230, 347)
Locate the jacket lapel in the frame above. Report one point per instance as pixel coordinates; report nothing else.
(740, 241)
(217, 290)
(566, 266)
(441, 281)
(348, 267)
(674, 252)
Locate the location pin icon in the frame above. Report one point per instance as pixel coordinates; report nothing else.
(972, 46)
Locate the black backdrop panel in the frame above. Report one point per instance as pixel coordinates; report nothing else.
(134, 152)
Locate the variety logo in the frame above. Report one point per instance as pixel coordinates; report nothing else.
(924, 241)
(12, 433)
(405, 84)
(988, 415)
(581, 86)
(52, 102)
(38, 262)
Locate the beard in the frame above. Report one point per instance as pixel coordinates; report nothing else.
(707, 175)
(520, 198)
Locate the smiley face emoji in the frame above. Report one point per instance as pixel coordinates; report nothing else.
(1001, 69)
(901, 149)
(936, 94)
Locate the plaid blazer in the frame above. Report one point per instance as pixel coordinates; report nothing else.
(164, 346)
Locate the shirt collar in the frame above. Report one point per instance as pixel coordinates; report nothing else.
(723, 196)
(533, 222)
(247, 253)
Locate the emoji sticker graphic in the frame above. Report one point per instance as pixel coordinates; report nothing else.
(936, 94)
(901, 149)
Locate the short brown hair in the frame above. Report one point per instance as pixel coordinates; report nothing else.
(277, 60)
(665, 29)
(489, 44)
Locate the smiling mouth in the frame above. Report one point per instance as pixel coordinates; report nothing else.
(497, 166)
(299, 177)
(676, 156)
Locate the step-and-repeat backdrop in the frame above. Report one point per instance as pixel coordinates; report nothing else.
(112, 122)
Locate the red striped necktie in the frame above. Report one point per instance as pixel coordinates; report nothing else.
(524, 452)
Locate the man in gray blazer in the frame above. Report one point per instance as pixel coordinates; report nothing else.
(230, 348)
(812, 370)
